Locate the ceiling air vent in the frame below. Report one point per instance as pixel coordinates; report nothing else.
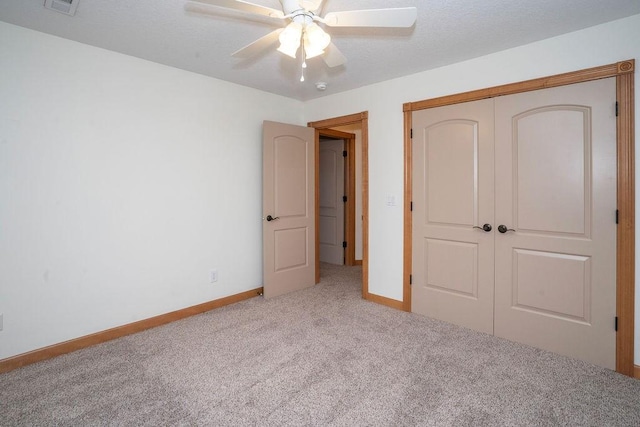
(68, 7)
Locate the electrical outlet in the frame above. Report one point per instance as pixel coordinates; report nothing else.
(213, 276)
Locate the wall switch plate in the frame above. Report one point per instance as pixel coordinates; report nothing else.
(213, 276)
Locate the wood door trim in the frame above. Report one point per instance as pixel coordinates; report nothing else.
(365, 205)
(595, 73)
(332, 133)
(350, 208)
(625, 290)
(378, 299)
(339, 121)
(636, 371)
(317, 204)
(361, 118)
(408, 208)
(59, 349)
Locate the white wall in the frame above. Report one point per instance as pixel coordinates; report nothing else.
(122, 183)
(592, 47)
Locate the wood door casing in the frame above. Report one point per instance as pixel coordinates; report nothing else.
(453, 274)
(288, 196)
(349, 138)
(361, 119)
(624, 73)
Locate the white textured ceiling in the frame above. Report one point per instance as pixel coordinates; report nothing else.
(446, 31)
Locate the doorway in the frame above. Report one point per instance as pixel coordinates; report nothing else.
(340, 197)
(354, 122)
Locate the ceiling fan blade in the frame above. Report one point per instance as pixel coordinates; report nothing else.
(242, 6)
(333, 57)
(397, 17)
(258, 46)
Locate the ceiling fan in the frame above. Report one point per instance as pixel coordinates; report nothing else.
(302, 33)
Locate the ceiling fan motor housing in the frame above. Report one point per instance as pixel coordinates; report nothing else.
(290, 6)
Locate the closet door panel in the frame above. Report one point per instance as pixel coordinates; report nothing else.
(556, 197)
(453, 193)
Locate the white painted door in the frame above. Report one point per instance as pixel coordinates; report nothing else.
(288, 226)
(453, 275)
(331, 201)
(556, 188)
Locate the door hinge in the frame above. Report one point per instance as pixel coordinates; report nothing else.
(344, 199)
(617, 216)
(344, 153)
(344, 244)
(616, 108)
(411, 207)
(411, 133)
(411, 279)
(616, 325)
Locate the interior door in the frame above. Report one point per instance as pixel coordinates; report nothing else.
(288, 226)
(556, 197)
(331, 204)
(453, 268)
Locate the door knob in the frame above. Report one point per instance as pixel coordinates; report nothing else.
(270, 218)
(486, 228)
(503, 228)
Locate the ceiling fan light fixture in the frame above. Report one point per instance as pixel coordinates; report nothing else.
(290, 39)
(310, 52)
(315, 38)
(289, 50)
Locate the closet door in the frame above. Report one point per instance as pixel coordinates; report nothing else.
(555, 152)
(453, 267)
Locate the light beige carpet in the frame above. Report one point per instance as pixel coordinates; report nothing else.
(322, 356)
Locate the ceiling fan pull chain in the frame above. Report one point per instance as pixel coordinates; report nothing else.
(304, 57)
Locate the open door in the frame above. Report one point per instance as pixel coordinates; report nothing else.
(288, 225)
